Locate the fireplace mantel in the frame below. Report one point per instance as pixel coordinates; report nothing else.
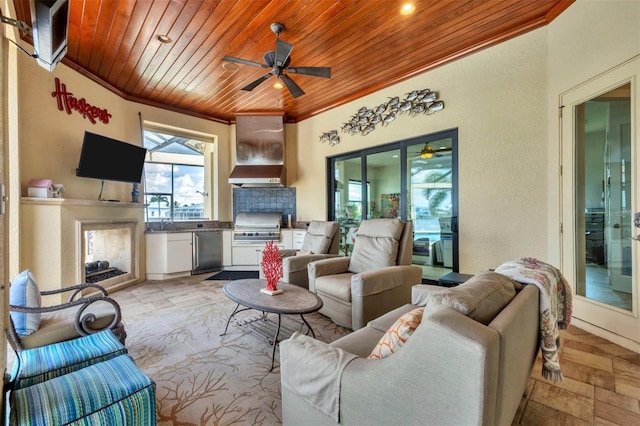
(79, 202)
(50, 245)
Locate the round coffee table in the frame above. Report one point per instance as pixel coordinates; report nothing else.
(293, 301)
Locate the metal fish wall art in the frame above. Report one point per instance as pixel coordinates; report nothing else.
(365, 120)
(331, 137)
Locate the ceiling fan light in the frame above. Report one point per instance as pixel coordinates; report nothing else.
(228, 66)
(278, 85)
(407, 9)
(426, 152)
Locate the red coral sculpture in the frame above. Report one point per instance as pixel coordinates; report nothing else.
(271, 265)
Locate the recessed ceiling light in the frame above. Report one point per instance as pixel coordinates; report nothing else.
(164, 39)
(407, 9)
(278, 86)
(228, 66)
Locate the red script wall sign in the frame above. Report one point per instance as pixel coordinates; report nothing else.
(67, 102)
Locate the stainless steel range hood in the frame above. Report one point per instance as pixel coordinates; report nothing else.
(252, 176)
(259, 151)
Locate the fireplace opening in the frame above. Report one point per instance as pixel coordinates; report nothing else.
(100, 270)
(108, 252)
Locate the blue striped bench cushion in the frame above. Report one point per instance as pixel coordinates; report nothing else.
(112, 392)
(46, 362)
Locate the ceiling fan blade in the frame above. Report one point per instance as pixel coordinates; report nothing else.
(244, 61)
(249, 87)
(294, 89)
(313, 71)
(283, 50)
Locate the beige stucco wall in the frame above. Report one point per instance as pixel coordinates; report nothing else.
(497, 100)
(589, 38)
(51, 140)
(48, 144)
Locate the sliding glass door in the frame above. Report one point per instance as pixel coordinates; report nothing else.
(412, 180)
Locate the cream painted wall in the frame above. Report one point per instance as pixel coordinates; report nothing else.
(497, 100)
(49, 141)
(589, 38)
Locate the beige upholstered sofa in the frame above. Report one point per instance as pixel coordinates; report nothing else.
(376, 279)
(322, 240)
(467, 362)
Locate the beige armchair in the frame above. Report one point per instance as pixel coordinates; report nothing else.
(374, 280)
(322, 240)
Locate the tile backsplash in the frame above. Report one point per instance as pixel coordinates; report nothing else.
(265, 200)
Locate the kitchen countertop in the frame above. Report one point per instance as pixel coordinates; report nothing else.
(178, 228)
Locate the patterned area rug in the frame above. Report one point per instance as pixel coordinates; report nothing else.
(203, 378)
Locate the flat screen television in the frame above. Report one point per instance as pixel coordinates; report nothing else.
(50, 21)
(109, 159)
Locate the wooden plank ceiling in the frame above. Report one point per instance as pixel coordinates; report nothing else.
(368, 44)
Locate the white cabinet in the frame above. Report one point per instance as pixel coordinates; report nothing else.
(292, 238)
(250, 254)
(247, 255)
(286, 238)
(227, 237)
(298, 238)
(168, 255)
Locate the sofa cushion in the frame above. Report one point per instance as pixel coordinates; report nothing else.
(336, 285)
(384, 322)
(359, 343)
(481, 298)
(421, 293)
(24, 292)
(60, 325)
(398, 334)
(376, 244)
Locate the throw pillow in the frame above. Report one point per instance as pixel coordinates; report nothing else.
(398, 334)
(24, 292)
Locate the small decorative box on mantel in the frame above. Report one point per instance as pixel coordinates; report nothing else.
(40, 188)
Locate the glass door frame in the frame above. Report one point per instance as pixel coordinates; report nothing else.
(622, 324)
(404, 185)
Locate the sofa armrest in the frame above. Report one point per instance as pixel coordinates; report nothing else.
(318, 386)
(285, 253)
(382, 279)
(421, 293)
(294, 268)
(329, 266)
(299, 263)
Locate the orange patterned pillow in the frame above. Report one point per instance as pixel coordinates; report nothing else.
(398, 334)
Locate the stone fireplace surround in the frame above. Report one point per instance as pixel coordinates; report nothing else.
(53, 241)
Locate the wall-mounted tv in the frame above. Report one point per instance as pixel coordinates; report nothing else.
(109, 159)
(50, 21)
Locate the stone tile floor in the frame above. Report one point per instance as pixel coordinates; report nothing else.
(601, 383)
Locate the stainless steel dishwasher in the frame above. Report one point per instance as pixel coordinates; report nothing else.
(207, 252)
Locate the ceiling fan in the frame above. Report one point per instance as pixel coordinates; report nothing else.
(278, 60)
(428, 152)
